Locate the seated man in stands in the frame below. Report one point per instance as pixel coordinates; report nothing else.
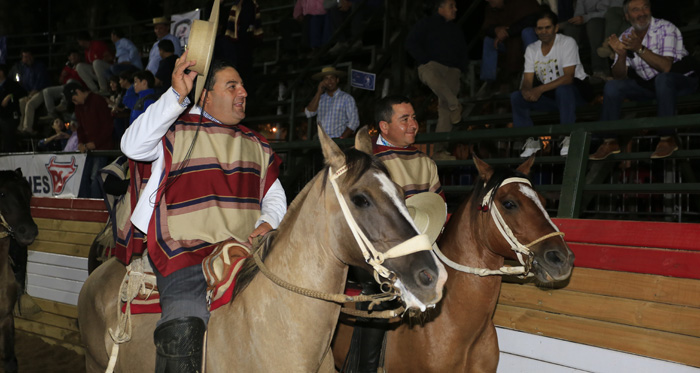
(336, 110)
(33, 77)
(161, 27)
(55, 93)
(438, 46)
(650, 63)
(127, 56)
(553, 80)
(590, 17)
(98, 59)
(415, 173)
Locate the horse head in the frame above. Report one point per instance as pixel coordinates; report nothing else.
(15, 214)
(374, 208)
(518, 226)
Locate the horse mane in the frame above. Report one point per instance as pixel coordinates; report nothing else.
(357, 162)
(500, 173)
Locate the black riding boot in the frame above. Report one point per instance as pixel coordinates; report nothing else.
(179, 345)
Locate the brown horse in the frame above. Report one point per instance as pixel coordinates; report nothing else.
(268, 328)
(459, 335)
(15, 222)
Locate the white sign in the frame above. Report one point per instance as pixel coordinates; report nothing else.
(49, 175)
(182, 23)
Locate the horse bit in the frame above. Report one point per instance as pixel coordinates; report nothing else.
(523, 252)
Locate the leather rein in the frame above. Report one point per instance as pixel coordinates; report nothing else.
(372, 257)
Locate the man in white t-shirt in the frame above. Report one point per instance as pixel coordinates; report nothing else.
(553, 80)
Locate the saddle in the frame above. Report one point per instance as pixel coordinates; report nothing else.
(139, 292)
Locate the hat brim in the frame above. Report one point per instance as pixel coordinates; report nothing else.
(200, 47)
(428, 212)
(319, 76)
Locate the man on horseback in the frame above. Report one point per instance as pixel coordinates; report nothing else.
(415, 173)
(203, 164)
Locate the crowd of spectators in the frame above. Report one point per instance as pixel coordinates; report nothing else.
(529, 51)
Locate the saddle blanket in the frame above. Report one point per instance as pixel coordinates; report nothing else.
(139, 293)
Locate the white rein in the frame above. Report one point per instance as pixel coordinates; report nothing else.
(523, 252)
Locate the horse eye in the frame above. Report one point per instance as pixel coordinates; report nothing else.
(360, 201)
(509, 205)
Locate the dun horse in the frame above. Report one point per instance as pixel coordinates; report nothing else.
(15, 221)
(503, 218)
(270, 329)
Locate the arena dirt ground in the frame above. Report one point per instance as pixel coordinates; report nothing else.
(36, 356)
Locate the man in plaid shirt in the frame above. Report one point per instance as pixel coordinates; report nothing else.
(647, 67)
(336, 110)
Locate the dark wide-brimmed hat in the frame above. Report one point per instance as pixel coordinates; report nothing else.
(428, 212)
(330, 70)
(161, 20)
(200, 47)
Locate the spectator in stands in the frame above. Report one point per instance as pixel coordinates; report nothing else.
(65, 137)
(161, 27)
(553, 80)
(243, 33)
(33, 77)
(336, 110)
(127, 56)
(68, 75)
(316, 29)
(615, 23)
(167, 64)
(94, 133)
(508, 28)
(141, 94)
(98, 60)
(438, 46)
(10, 93)
(650, 63)
(120, 114)
(589, 16)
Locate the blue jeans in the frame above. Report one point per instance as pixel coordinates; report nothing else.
(668, 87)
(489, 58)
(567, 98)
(90, 184)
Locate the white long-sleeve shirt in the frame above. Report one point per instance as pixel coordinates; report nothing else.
(142, 141)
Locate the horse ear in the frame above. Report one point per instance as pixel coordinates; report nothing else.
(363, 142)
(19, 172)
(331, 152)
(525, 167)
(485, 171)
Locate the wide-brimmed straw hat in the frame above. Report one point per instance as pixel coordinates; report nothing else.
(161, 20)
(200, 47)
(428, 212)
(330, 70)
